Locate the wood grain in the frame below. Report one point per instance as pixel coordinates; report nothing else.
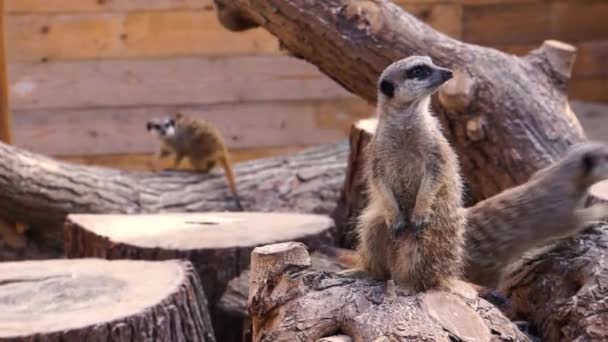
(589, 89)
(5, 114)
(246, 125)
(168, 33)
(534, 21)
(442, 16)
(143, 162)
(113, 83)
(71, 6)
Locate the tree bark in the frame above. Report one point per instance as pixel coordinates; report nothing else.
(41, 191)
(353, 197)
(288, 302)
(218, 245)
(98, 300)
(562, 289)
(506, 116)
(233, 304)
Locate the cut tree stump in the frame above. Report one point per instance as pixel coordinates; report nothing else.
(218, 244)
(100, 300)
(598, 193)
(233, 304)
(289, 302)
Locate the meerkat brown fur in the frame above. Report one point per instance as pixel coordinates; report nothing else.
(412, 228)
(198, 140)
(548, 207)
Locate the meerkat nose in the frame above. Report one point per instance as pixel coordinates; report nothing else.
(149, 126)
(447, 74)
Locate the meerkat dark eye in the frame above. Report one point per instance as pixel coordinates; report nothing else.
(588, 163)
(171, 122)
(419, 72)
(387, 88)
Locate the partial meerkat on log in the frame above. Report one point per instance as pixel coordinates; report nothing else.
(99, 300)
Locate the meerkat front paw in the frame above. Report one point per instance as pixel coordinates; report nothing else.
(419, 222)
(398, 226)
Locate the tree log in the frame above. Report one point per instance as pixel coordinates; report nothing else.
(289, 302)
(353, 197)
(99, 300)
(506, 116)
(219, 245)
(598, 193)
(562, 289)
(233, 304)
(41, 191)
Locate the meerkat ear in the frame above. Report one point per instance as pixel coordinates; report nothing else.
(387, 88)
(178, 115)
(588, 162)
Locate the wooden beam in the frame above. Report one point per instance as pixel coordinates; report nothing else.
(5, 115)
(175, 81)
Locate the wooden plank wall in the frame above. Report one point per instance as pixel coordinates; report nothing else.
(85, 75)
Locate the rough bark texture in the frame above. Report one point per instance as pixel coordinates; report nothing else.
(234, 299)
(41, 191)
(232, 307)
(562, 290)
(219, 245)
(288, 302)
(98, 300)
(353, 197)
(505, 115)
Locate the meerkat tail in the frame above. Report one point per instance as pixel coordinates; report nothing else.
(225, 162)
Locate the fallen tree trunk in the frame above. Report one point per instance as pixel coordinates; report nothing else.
(99, 300)
(288, 302)
(41, 191)
(506, 116)
(563, 289)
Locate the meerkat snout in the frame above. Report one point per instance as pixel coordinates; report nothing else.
(164, 127)
(411, 79)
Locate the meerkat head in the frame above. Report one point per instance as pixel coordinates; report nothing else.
(411, 79)
(163, 128)
(592, 159)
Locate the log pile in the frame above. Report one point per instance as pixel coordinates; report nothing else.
(506, 117)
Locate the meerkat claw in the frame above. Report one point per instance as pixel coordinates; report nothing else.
(399, 226)
(418, 223)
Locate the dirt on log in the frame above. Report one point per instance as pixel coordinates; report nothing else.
(217, 244)
(41, 191)
(506, 116)
(289, 302)
(99, 300)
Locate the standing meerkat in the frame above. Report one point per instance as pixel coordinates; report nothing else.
(412, 228)
(198, 140)
(548, 207)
